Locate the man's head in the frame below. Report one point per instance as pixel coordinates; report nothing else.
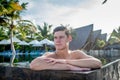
(62, 37)
(62, 28)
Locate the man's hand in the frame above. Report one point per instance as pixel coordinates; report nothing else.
(63, 61)
(78, 68)
(53, 61)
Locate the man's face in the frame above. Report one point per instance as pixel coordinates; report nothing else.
(61, 40)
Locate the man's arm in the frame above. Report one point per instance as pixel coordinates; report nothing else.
(85, 60)
(40, 64)
(85, 63)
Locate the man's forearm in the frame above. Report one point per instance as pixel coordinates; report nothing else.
(42, 65)
(85, 63)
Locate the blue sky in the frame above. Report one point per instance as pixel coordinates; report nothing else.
(76, 13)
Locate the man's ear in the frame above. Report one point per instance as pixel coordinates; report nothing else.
(70, 38)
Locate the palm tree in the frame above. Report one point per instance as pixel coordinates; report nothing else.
(38, 36)
(9, 14)
(100, 44)
(25, 28)
(3, 33)
(115, 36)
(104, 1)
(45, 31)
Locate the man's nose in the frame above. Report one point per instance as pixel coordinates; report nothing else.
(58, 40)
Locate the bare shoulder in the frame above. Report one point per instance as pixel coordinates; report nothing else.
(48, 54)
(80, 54)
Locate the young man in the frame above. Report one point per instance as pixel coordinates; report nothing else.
(63, 58)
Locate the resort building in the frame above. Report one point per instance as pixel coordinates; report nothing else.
(85, 38)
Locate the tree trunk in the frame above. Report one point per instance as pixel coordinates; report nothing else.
(13, 49)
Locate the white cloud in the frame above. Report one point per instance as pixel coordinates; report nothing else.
(105, 17)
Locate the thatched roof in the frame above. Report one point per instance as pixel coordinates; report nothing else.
(81, 36)
(95, 35)
(92, 39)
(103, 37)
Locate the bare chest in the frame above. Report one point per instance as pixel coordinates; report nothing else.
(70, 56)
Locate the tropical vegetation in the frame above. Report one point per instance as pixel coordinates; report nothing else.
(11, 22)
(115, 36)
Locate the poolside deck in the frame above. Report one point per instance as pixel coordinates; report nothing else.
(110, 71)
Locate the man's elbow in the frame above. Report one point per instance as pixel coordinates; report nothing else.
(32, 66)
(98, 64)
(38, 64)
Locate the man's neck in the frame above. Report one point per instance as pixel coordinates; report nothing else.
(62, 53)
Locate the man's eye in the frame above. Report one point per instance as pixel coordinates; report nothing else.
(55, 37)
(61, 37)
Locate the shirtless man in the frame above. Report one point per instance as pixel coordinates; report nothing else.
(63, 58)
